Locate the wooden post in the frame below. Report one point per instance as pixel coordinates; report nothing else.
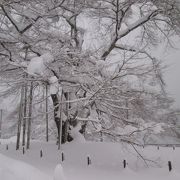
(124, 163)
(88, 161)
(7, 147)
(62, 157)
(169, 165)
(173, 147)
(23, 150)
(41, 153)
(158, 148)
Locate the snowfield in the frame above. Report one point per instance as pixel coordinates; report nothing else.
(13, 169)
(106, 162)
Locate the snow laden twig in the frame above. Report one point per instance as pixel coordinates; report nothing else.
(125, 32)
(141, 130)
(87, 119)
(155, 62)
(143, 158)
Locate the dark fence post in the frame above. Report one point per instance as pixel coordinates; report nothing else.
(169, 165)
(124, 163)
(41, 153)
(62, 157)
(7, 147)
(88, 161)
(23, 150)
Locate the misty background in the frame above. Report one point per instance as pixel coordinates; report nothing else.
(171, 58)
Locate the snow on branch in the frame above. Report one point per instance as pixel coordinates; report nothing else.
(87, 119)
(138, 23)
(130, 28)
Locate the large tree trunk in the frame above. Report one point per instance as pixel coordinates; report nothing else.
(65, 136)
(56, 111)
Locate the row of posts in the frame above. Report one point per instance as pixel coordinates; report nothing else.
(89, 162)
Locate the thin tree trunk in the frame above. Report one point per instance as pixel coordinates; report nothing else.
(60, 125)
(43, 96)
(1, 114)
(127, 111)
(47, 125)
(25, 114)
(20, 119)
(29, 116)
(25, 104)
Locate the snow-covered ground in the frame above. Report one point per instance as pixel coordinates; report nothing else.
(11, 169)
(106, 162)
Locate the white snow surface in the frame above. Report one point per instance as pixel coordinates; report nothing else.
(15, 170)
(106, 162)
(77, 136)
(59, 173)
(38, 65)
(54, 85)
(47, 58)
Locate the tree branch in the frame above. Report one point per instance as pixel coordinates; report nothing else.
(125, 32)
